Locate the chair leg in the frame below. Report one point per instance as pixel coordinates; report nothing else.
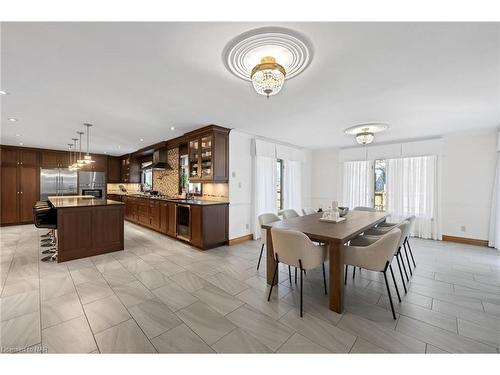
(353, 273)
(389, 294)
(260, 256)
(408, 260)
(324, 277)
(290, 274)
(401, 273)
(295, 275)
(411, 253)
(301, 289)
(403, 264)
(274, 278)
(345, 272)
(394, 280)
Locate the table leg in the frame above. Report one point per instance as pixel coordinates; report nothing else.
(271, 263)
(336, 280)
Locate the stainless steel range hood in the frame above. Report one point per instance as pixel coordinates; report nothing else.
(160, 160)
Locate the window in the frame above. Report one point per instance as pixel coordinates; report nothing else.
(147, 176)
(279, 184)
(379, 192)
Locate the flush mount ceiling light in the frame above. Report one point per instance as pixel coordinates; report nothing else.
(267, 56)
(364, 133)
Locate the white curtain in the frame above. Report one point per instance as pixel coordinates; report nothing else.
(412, 189)
(357, 184)
(292, 185)
(264, 189)
(494, 234)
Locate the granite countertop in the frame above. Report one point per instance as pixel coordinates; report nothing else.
(198, 202)
(67, 202)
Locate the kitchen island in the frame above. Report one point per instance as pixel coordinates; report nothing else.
(87, 226)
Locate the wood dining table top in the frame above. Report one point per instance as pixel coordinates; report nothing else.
(355, 222)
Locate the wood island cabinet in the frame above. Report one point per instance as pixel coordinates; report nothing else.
(20, 184)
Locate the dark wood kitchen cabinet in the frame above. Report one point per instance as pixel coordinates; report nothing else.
(167, 218)
(114, 169)
(208, 154)
(20, 184)
(154, 214)
(131, 170)
(209, 225)
(100, 163)
(54, 159)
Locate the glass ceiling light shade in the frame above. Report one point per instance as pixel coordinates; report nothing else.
(247, 57)
(268, 76)
(87, 158)
(364, 138)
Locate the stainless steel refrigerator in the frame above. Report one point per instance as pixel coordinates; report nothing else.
(92, 183)
(57, 182)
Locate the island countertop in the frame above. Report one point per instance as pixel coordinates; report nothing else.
(72, 202)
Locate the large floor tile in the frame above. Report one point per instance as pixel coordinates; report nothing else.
(189, 281)
(487, 335)
(105, 312)
(19, 333)
(275, 308)
(153, 279)
(154, 317)
(60, 309)
(73, 336)
(19, 304)
(432, 317)
(238, 341)
(133, 293)
(300, 344)
(446, 340)
(227, 283)
(174, 296)
(55, 286)
(206, 322)
(125, 337)
(472, 315)
(268, 331)
(93, 290)
(180, 340)
(362, 346)
(118, 276)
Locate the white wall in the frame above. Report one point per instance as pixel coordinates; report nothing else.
(240, 184)
(469, 162)
(324, 177)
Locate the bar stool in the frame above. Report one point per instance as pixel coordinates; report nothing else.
(45, 217)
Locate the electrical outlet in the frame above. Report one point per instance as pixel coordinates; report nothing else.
(247, 226)
(233, 174)
(462, 228)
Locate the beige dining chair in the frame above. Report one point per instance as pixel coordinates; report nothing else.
(376, 254)
(295, 249)
(263, 220)
(308, 211)
(288, 213)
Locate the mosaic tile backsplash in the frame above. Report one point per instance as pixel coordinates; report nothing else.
(167, 182)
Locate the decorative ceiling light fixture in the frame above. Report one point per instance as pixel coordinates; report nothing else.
(87, 159)
(74, 166)
(267, 56)
(80, 162)
(70, 165)
(365, 133)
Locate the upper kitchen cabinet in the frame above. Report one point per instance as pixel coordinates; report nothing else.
(100, 164)
(54, 159)
(114, 169)
(208, 150)
(131, 170)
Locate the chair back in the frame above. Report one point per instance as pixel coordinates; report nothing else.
(288, 213)
(411, 219)
(308, 211)
(290, 246)
(266, 219)
(361, 208)
(405, 228)
(375, 256)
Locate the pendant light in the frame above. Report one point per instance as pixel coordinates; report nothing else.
(70, 165)
(75, 165)
(87, 158)
(80, 161)
(268, 76)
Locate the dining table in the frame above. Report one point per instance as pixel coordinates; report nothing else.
(333, 234)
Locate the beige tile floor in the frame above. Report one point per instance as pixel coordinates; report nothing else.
(160, 295)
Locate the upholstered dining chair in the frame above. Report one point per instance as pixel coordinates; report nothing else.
(288, 213)
(265, 219)
(376, 254)
(295, 249)
(308, 211)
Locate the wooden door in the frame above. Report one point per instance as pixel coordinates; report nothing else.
(29, 191)
(53, 159)
(206, 154)
(28, 158)
(163, 224)
(194, 160)
(8, 156)
(196, 226)
(9, 193)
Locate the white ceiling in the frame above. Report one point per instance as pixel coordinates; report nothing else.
(136, 80)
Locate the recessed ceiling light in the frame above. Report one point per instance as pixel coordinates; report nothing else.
(105, 152)
(3, 92)
(12, 119)
(142, 139)
(21, 143)
(172, 128)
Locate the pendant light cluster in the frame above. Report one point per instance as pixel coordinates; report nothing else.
(76, 162)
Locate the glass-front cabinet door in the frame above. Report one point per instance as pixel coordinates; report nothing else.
(206, 157)
(194, 159)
